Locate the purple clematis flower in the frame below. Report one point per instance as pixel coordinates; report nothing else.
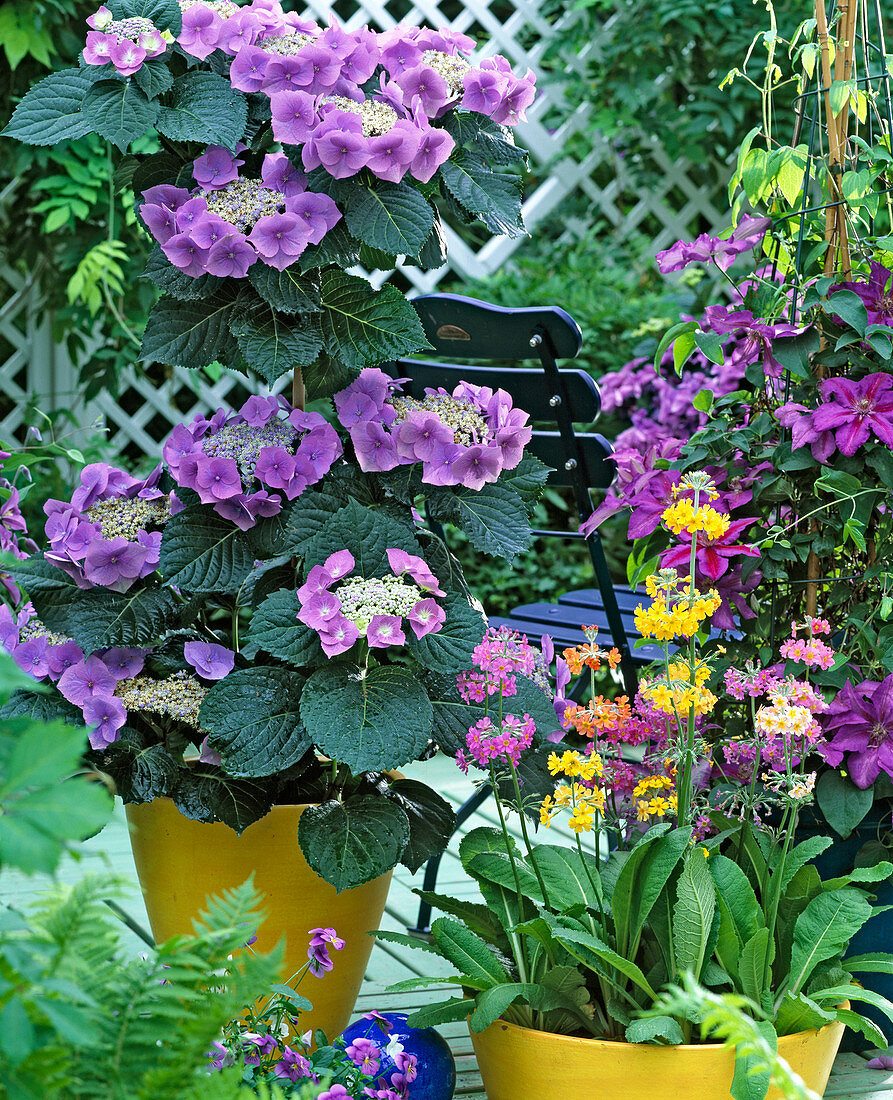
(859, 722)
(854, 409)
(210, 661)
(712, 556)
(747, 235)
(877, 294)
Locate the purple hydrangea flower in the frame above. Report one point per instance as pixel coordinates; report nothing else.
(85, 680)
(426, 616)
(105, 716)
(114, 563)
(124, 662)
(32, 656)
(279, 239)
(339, 636)
(201, 30)
(385, 630)
(215, 167)
(210, 661)
(401, 562)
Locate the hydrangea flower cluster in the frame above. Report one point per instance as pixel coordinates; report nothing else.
(13, 530)
(109, 534)
(230, 222)
(41, 653)
(316, 80)
(371, 608)
(465, 438)
(124, 43)
(225, 459)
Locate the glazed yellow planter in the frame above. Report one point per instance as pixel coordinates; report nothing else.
(180, 862)
(516, 1062)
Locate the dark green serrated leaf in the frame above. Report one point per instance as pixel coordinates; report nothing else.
(190, 334)
(273, 343)
(51, 110)
(140, 771)
(161, 167)
(202, 553)
(371, 723)
(119, 111)
(325, 376)
(42, 707)
(431, 821)
(433, 253)
(204, 107)
(450, 649)
(392, 217)
(336, 247)
(211, 796)
(354, 841)
(495, 199)
(276, 630)
(253, 721)
(452, 715)
(154, 77)
(367, 532)
(170, 280)
(309, 515)
(286, 290)
(363, 327)
(495, 520)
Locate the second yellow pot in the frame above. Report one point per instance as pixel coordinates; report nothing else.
(180, 862)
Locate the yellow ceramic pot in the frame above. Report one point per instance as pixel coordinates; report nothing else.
(516, 1062)
(180, 862)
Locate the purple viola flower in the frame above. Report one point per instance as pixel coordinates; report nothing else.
(105, 716)
(231, 257)
(185, 254)
(855, 409)
(279, 239)
(249, 69)
(200, 33)
(318, 949)
(215, 167)
(859, 723)
(294, 117)
(89, 678)
(876, 293)
(365, 1055)
(217, 479)
(374, 447)
(292, 1065)
(210, 661)
(32, 656)
(123, 662)
(114, 563)
(318, 213)
(218, 1056)
(385, 630)
(425, 617)
(61, 657)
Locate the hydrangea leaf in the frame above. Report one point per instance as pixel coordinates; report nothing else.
(450, 649)
(212, 796)
(253, 721)
(94, 617)
(367, 533)
(204, 107)
(431, 821)
(42, 707)
(392, 217)
(351, 842)
(140, 768)
(528, 479)
(310, 514)
(495, 520)
(170, 280)
(363, 327)
(154, 77)
(325, 376)
(161, 167)
(286, 290)
(433, 253)
(190, 334)
(495, 199)
(452, 715)
(203, 553)
(273, 343)
(336, 247)
(51, 110)
(372, 723)
(165, 14)
(276, 629)
(119, 111)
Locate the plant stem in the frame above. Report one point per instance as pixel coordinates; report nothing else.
(235, 625)
(524, 833)
(517, 946)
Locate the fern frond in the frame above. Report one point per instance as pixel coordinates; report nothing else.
(100, 265)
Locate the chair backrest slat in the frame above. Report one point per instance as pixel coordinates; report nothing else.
(528, 386)
(592, 454)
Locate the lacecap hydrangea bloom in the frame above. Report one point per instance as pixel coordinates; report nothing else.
(246, 463)
(343, 609)
(109, 534)
(465, 438)
(123, 43)
(230, 222)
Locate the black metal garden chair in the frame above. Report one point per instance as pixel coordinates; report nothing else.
(528, 344)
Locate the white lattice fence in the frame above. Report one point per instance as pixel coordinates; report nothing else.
(572, 170)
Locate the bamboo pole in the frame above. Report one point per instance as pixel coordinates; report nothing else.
(837, 255)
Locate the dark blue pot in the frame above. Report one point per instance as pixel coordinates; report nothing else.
(877, 933)
(436, 1068)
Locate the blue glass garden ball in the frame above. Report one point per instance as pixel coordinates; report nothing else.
(436, 1068)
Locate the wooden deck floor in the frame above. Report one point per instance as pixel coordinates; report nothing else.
(110, 851)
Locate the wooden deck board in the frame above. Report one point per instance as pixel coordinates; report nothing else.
(110, 852)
